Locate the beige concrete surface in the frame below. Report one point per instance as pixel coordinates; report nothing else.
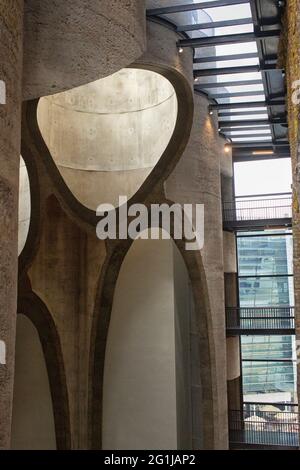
(72, 42)
(32, 418)
(107, 136)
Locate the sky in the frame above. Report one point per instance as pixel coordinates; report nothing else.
(263, 177)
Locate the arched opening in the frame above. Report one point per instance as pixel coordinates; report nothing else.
(106, 137)
(33, 426)
(24, 206)
(148, 373)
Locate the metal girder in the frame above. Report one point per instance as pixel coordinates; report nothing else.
(246, 136)
(228, 39)
(233, 70)
(226, 84)
(236, 95)
(260, 145)
(250, 158)
(254, 128)
(256, 104)
(224, 24)
(225, 124)
(221, 58)
(193, 6)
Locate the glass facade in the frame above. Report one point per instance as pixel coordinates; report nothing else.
(266, 280)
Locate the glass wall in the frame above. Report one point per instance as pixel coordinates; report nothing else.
(266, 280)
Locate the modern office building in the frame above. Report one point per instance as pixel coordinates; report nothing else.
(120, 121)
(265, 262)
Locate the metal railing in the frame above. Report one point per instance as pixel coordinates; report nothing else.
(275, 208)
(260, 318)
(272, 427)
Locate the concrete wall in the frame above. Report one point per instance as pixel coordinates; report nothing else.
(107, 136)
(74, 42)
(146, 391)
(33, 421)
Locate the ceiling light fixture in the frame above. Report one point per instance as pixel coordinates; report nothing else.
(263, 152)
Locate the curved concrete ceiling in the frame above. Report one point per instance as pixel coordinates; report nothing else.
(72, 42)
(107, 136)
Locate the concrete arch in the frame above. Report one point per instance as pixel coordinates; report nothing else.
(106, 137)
(31, 306)
(24, 206)
(36, 148)
(204, 363)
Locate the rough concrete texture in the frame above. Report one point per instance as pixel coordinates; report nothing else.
(11, 28)
(197, 179)
(75, 274)
(107, 136)
(64, 275)
(72, 42)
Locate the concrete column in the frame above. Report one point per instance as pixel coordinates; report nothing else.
(197, 179)
(11, 31)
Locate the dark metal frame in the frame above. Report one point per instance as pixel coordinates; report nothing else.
(272, 77)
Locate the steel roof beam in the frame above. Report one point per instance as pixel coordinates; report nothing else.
(228, 39)
(256, 104)
(228, 84)
(233, 70)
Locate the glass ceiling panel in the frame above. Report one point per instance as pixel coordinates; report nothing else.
(228, 30)
(241, 99)
(235, 111)
(229, 12)
(234, 89)
(249, 117)
(236, 77)
(251, 139)
(257, 132)
(231, 49)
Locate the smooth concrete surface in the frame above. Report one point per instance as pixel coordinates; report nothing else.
(33, 420)
(146, 392)
(11, 54)
(233, 358)
(197, 180)
(183, 340)
(24, 206)
(107, 136)
(229, 250)
(72, 42)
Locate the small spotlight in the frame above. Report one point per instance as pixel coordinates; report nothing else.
(196, 79)
(211, 112)
(227, 148)
(180, 50)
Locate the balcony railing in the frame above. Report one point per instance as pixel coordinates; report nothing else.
(251, 210)
(274, 427)
(252, 319)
